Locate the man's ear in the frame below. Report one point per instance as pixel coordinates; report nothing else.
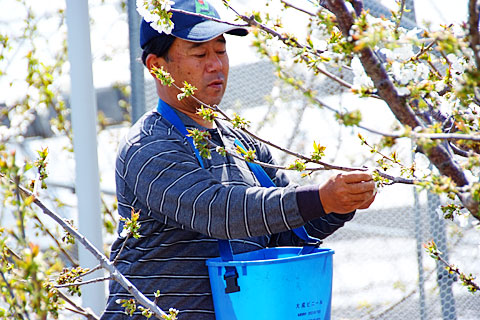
(154, 61)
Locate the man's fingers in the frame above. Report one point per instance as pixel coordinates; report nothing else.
(359, 197)
(361, 187)
(356, 176)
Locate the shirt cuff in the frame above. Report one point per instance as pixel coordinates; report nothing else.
(309, 204)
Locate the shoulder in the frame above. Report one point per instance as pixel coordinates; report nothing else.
(150, 128)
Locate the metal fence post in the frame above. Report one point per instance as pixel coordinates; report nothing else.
(419, 249)
(137, 84)
(444, 279)
(87, 179)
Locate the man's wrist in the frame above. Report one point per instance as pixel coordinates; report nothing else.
(309, 204)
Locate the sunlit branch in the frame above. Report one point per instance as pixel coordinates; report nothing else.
(122, 247)
(325, 166)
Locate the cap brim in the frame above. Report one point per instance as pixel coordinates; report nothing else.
(208, 30)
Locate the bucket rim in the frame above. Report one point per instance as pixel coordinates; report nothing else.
(317, 253)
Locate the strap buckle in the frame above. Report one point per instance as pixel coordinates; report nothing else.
(231, 277)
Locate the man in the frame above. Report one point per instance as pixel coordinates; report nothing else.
(185, 207)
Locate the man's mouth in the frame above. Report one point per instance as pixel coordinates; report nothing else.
(216, 84)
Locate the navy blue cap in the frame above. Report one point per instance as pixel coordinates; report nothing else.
(192, 28)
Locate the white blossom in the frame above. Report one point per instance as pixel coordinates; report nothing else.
(402, 73)
(462, 219)
(403, 91)
(403, 52)
(360, 77)
(458, 63)
(148, 11)
(162, 26)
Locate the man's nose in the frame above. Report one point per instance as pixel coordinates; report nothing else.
(214, 63)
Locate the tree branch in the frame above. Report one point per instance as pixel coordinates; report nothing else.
(438, 155)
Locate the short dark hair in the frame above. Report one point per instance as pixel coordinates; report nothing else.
(158, 46)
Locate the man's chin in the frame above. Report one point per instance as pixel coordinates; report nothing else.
(211, 100)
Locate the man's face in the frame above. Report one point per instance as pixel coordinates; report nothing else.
(204, 65)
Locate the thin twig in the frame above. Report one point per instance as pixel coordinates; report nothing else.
(87, 273)
(452, 268)
(393, 179)
(288, 4)
(337, 112)
(13, 253)
(123, 246)
(77, 284)
(399, 20)
(199, 15)
(85, 312)
(424, 49)
(292, 42)
(65, 253)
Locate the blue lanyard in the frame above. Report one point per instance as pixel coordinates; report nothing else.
(167, 112)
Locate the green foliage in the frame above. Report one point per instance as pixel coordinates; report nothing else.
(162, 75)
(240, 122)
(201, 141)
(466, 280)
(318, 152)
(131, 225)
(172, 314)
(352, 118)
(298, 165)
(187, 91)
(207, 113)
(70, 277)
(248, 155)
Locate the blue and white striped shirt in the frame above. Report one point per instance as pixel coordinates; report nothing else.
(184, 208)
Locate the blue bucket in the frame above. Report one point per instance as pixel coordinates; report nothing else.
(275, 283)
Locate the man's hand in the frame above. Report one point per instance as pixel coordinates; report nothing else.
(347, 191)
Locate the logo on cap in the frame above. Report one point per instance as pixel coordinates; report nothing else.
(202, 7)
